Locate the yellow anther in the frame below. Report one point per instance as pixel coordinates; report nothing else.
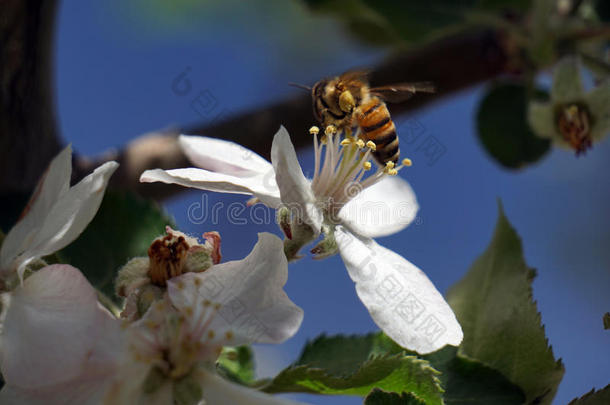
(392, 172)
(360, 143)
(314, 130)
(330, 130)
(371, 145)
(366, 165)
(346, 142)
(389, 165)
(407, 162)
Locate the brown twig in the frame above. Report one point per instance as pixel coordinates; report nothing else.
(28, 132)
(29, 137)
(453, 64)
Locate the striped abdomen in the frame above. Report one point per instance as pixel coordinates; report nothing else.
(377, 126)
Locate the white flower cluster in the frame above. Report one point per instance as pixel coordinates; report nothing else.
(59, 345)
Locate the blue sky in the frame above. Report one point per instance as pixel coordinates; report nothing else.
(115, 65)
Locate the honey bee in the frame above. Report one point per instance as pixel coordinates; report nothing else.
(347, 102)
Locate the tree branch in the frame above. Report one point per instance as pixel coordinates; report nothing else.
(29, 138)
(453, 64)
(28, 132)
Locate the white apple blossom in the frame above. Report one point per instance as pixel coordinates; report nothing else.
(573, 118)
(60, 347)
(54, 217)
(344, 204)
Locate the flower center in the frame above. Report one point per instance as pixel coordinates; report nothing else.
(167, 256)
(342, 166)
(574, 126)
(175, 343)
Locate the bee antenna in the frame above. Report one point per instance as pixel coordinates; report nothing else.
(300, 86)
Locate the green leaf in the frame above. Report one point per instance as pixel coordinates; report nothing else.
(501, 323)
(469, 382)
(237, 364)
(602, 7)
(607, 320)
(394, 373)
(387, 21)
(466, 381)
(380, 397)
(600, 397)
(353, 365)
(343, 355)
(123, 228)
(503, 129)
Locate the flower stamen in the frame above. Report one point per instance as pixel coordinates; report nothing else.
(346, 160)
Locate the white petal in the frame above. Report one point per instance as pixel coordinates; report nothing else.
(567, 83)
(54, 330)
(54, 182)
(222, 156)
(77, 392)
(254, 305)
(295, 189)
(262, 186)
(598, 101)
(70, 215)
(542, 120)
(216, 390)
(383, 209)
(400, 298)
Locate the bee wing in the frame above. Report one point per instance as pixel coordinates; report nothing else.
(397, 93)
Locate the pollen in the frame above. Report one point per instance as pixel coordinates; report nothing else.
(392, 172)
(407, 162)
(330, 130)
(314, 130)
(389, 165)
(360, 143)
(366, 165)
(197, 282)
(371, 145)
(346, 141)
